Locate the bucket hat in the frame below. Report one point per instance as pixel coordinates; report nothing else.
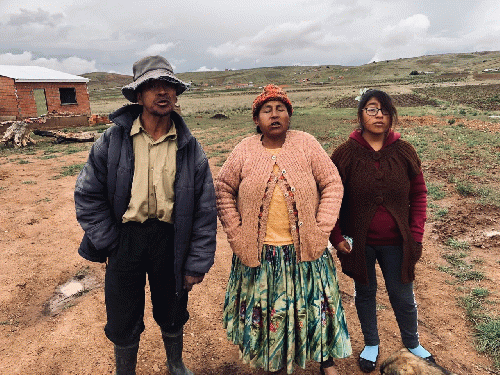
(152, 67)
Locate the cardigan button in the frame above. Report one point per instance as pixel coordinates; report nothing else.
(286, 194)
(376, 155)
(292, 189)
(283, 171)
(273, 157)
(379, 200)
(300, 223)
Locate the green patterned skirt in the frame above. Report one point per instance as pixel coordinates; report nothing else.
(284, 312)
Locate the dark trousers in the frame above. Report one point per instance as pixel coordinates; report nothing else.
(400, 295)
(145, 248)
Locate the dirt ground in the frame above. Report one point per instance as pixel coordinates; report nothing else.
(43, 331)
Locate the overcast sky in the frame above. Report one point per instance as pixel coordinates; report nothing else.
(81, 36)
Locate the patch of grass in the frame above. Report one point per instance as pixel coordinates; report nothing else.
(381, 307)
(216, 153)
(457, 245)
(469, 274)
(440, 213)
(50, 148)
(73, 149)
(23, 161)
(69, 170)
(488, 339)
(465, 188)
(480, 292)
(489, 196)
(478, 261)
(29, 182)
(456, 259)
(484, 192)
(9, 322)
(476, 172)
(472, 304)
(82, 273)
(435, 191)
(459, 268)
(44, 200)
(68, 305)
(445, 269)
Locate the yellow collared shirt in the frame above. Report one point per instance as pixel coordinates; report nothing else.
(154, 175)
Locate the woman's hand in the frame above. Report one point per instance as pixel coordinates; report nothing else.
(343, 247)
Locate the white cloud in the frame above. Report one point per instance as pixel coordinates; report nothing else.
(205, 69)
(203, 33)
(157, 49)
(38, 17)
(276, 39)
(406, 31)
(405, 39)
(73, 64)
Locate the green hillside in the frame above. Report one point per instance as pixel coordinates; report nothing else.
(432, 68)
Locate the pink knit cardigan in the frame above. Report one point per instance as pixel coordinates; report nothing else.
(315, 183)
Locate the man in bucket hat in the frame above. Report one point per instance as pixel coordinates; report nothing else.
(146, 202)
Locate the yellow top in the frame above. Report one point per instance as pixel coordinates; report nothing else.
(278, 222)
(154, 174)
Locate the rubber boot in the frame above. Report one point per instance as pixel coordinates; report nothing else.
(173, 348)
(126, 359)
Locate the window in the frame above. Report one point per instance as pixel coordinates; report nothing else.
(68, 95)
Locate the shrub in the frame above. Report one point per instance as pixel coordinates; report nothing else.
(488, 339)
(465, 189)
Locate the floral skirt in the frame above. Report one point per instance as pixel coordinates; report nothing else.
(284, 312)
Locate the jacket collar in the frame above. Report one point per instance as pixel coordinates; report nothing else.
(126, 115)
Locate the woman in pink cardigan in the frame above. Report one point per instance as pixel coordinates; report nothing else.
(278, 198)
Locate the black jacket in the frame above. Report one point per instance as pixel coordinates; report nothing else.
(103, 190)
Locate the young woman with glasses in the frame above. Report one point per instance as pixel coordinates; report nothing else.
(383, 211)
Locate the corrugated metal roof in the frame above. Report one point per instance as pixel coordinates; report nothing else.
(37, 74)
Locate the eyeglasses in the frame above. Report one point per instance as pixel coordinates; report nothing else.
(374, 111)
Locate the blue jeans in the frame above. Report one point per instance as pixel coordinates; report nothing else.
(400, 295)
(145, 249)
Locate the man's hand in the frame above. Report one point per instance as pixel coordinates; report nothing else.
(189, 281)
(343, 247)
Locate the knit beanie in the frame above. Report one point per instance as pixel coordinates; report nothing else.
(271, 92)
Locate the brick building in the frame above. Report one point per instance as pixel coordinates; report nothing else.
(32, 91)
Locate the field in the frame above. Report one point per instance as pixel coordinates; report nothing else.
(46, 327)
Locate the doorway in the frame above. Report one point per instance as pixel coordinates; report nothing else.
(41, 102)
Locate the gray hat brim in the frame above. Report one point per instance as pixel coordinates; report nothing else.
(129, 91)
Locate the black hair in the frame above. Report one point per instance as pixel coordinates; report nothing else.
(385, 103)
